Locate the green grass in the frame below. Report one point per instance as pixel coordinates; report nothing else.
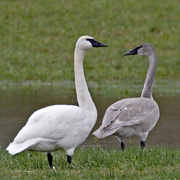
(95, 163)
(37, 39)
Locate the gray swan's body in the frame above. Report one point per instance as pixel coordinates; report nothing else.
(61, 126)
(133, 116)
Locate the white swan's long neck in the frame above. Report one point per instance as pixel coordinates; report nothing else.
(147, 89)
(83, 96)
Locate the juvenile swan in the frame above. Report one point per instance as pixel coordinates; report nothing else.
(133, 116)
(61, 126)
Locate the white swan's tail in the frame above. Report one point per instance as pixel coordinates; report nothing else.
(15, 148)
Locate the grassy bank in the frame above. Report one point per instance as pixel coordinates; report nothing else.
(37, 39)
(95, 163)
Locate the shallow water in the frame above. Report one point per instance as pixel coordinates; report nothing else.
(18, 102)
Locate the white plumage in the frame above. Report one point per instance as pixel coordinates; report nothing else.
(133, 116)
(51, 128)
(61, 126)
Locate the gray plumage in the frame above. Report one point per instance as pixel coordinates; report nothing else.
(133, 116)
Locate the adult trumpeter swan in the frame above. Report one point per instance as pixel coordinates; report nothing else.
(61, 126)
(133, 116)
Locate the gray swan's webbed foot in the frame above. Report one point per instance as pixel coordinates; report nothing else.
(122, 145)
(142, 143)
(50, 159)
(69, 159)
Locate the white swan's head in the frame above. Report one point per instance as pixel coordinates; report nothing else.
(143, 50)
(87, 42)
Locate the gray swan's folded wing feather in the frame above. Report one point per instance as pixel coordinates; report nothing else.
(128, 112)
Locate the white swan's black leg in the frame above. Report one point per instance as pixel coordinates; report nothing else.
(122, 145)
(50, 159)
(142, 143)
(69, 159)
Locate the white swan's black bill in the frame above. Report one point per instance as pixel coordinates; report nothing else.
(96, 43)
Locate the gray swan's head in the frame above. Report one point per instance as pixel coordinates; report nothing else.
(143, 50)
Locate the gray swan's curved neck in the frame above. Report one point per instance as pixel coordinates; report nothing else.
(83, 96)
(148, 85)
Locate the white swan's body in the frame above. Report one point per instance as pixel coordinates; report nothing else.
(133, 116)
(54, 127)
(61, 126)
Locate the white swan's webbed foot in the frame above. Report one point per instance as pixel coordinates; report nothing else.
(50, 159)
(54, 169)
(69, 159)
(122, 145)
(142, 143)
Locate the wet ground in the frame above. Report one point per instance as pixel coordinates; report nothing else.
(18, 102)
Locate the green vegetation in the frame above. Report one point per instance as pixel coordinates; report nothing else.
(37, 39)
(94, 163)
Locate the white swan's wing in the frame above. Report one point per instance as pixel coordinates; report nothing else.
(51, 128)
(53, 122)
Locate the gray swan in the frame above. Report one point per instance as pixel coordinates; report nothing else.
(61, 126)
(133, 116)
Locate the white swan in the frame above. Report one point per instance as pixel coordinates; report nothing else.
(61, 126)
(133, 116)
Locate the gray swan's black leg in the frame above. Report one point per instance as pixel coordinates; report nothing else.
(142, 143)
(69, 159)
(122, 145)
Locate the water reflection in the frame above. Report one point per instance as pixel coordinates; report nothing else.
(18, 102)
